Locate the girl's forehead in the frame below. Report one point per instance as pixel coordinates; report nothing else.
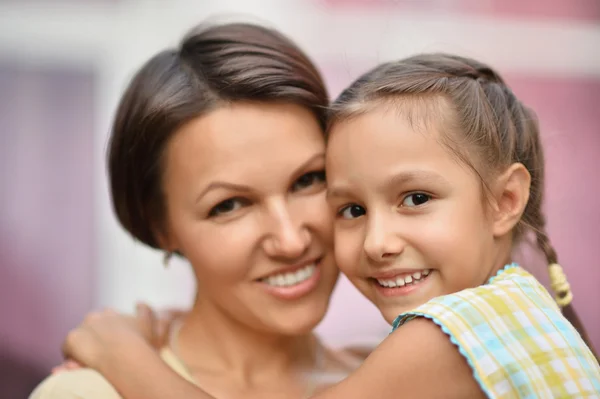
(421, 110)
(380, 144)
(430, 115)
(373, 131)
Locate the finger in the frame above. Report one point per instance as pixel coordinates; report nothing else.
(67, 344)
(146, 307)
(76, 346)
(145, 321)
(67, 365)
(164, 325)
(58, 369)
(159, 331)
(162, 330)
(173, 314)
(71, 364)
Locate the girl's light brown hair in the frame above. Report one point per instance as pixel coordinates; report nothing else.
(493, 124)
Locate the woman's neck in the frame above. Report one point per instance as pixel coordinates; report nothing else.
(210, 341)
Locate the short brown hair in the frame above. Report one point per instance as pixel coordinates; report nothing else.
(214, 65)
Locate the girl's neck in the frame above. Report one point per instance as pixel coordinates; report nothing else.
(501, 257)
(210, 341)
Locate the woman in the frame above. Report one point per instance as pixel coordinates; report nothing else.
(217, 155)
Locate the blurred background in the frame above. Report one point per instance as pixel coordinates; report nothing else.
(64, 64)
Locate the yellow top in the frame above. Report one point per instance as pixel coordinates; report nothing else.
(89, 384)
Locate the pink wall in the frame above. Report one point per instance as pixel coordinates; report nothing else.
(570, 121)
(583, 10)
(46, 204)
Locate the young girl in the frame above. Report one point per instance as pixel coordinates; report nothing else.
(435, 172)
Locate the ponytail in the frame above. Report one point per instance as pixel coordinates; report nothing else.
(562, 288)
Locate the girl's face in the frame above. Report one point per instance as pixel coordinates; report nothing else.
(410, 218)
(245, 190)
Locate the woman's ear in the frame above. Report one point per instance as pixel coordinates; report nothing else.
(165, 240)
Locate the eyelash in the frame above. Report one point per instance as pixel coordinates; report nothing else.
(317, 176)
(314, 178)
(235, 200)
(429, 197)
(343, 209)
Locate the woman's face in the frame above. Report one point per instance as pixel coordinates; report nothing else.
(245, 193)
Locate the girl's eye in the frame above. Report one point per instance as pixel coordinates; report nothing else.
(309, 179)
(415, 199)
(227, 206)
(352, 211)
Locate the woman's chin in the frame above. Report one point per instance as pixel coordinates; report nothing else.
(297, 322)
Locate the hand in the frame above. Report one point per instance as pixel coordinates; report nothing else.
(162, 323)
(102, 336)
(67, 365)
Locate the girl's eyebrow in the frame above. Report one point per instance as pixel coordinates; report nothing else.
(398, 179)
(415, 176)
(339, 191)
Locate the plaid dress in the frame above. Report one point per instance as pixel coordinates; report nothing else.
(515, 339)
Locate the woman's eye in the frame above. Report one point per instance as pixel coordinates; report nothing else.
(227, 206)
(309, 179)
(415, 199)
(352, 211)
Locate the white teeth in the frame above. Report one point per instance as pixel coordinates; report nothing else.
(388, 283)
(290, 279)
(401, 281)
(302, 275)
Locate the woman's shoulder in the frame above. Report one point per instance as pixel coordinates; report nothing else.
(81, 383)
(86, 383)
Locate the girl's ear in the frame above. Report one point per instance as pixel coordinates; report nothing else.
(511, 194)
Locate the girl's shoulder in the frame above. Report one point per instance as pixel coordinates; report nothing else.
(509, 329)
(511, 291)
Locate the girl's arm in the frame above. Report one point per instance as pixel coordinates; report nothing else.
(141, 374)
(119, 347)
(416, 361)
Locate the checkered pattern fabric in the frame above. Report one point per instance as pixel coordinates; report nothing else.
(515, 339)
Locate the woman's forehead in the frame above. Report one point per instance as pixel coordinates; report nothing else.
(245, 139)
